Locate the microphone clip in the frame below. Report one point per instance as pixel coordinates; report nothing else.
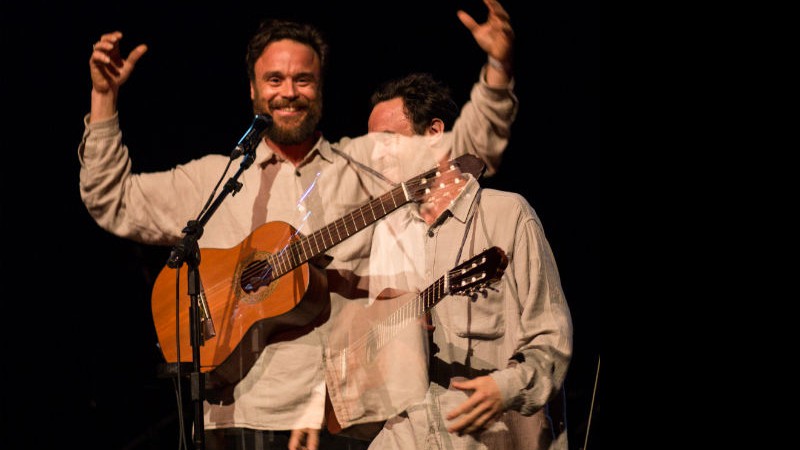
(251, 138)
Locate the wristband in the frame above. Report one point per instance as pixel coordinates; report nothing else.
(498, 65)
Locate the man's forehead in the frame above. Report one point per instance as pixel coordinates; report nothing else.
(283, 54)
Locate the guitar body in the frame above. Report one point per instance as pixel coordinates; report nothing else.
(245, 322)
(377, 364)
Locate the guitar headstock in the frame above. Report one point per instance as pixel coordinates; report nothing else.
(470, 164)
(442, 184)
(478, 272)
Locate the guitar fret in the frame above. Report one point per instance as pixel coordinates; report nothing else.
(279, 263)
(372, 209)
(275, 265)
(307, 245)
(287, 258)
(353, 221)
(298, 250)
(321, 236)
(294, 260)
(339, 236)
(308, 252)
(267, 262)
(318, 248)
(383, 205)
(293, 251)
(446, 284)
(298, 256)
(404, 189)
(330, 235)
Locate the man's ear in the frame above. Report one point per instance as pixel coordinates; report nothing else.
(436, 127)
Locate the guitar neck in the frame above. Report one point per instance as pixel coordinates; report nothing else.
(384, 331)
(479, 271)
(316, 243)
(422, 303)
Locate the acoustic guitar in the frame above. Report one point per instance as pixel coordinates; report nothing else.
(265, 286)
(360, 354)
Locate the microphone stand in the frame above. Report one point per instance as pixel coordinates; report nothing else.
(189, 252)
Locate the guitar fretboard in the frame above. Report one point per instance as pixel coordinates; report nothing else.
(387, 329)
(318, 242)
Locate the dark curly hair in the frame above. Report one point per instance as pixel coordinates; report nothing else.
(271, 30)
(424, 99)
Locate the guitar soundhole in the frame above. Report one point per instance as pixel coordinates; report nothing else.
(256, 273)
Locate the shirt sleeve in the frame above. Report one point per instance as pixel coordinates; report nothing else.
(484, 126)
(537, 369)
(141, 207)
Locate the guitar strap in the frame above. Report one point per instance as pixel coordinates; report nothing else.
(473, 211)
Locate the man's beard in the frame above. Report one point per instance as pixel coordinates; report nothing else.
(297, 134)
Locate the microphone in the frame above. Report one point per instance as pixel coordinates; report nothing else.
(249, 142)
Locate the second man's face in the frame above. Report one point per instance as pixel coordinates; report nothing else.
(389, 117)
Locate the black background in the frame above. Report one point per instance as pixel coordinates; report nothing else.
(79, 343)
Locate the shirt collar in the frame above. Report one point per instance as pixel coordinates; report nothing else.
(463, 203)
(265, 154)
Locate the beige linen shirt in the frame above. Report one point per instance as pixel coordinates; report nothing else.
(285, 387)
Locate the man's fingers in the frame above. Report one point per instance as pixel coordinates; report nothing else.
(467, 20)
(312, 441)
(137, 53)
